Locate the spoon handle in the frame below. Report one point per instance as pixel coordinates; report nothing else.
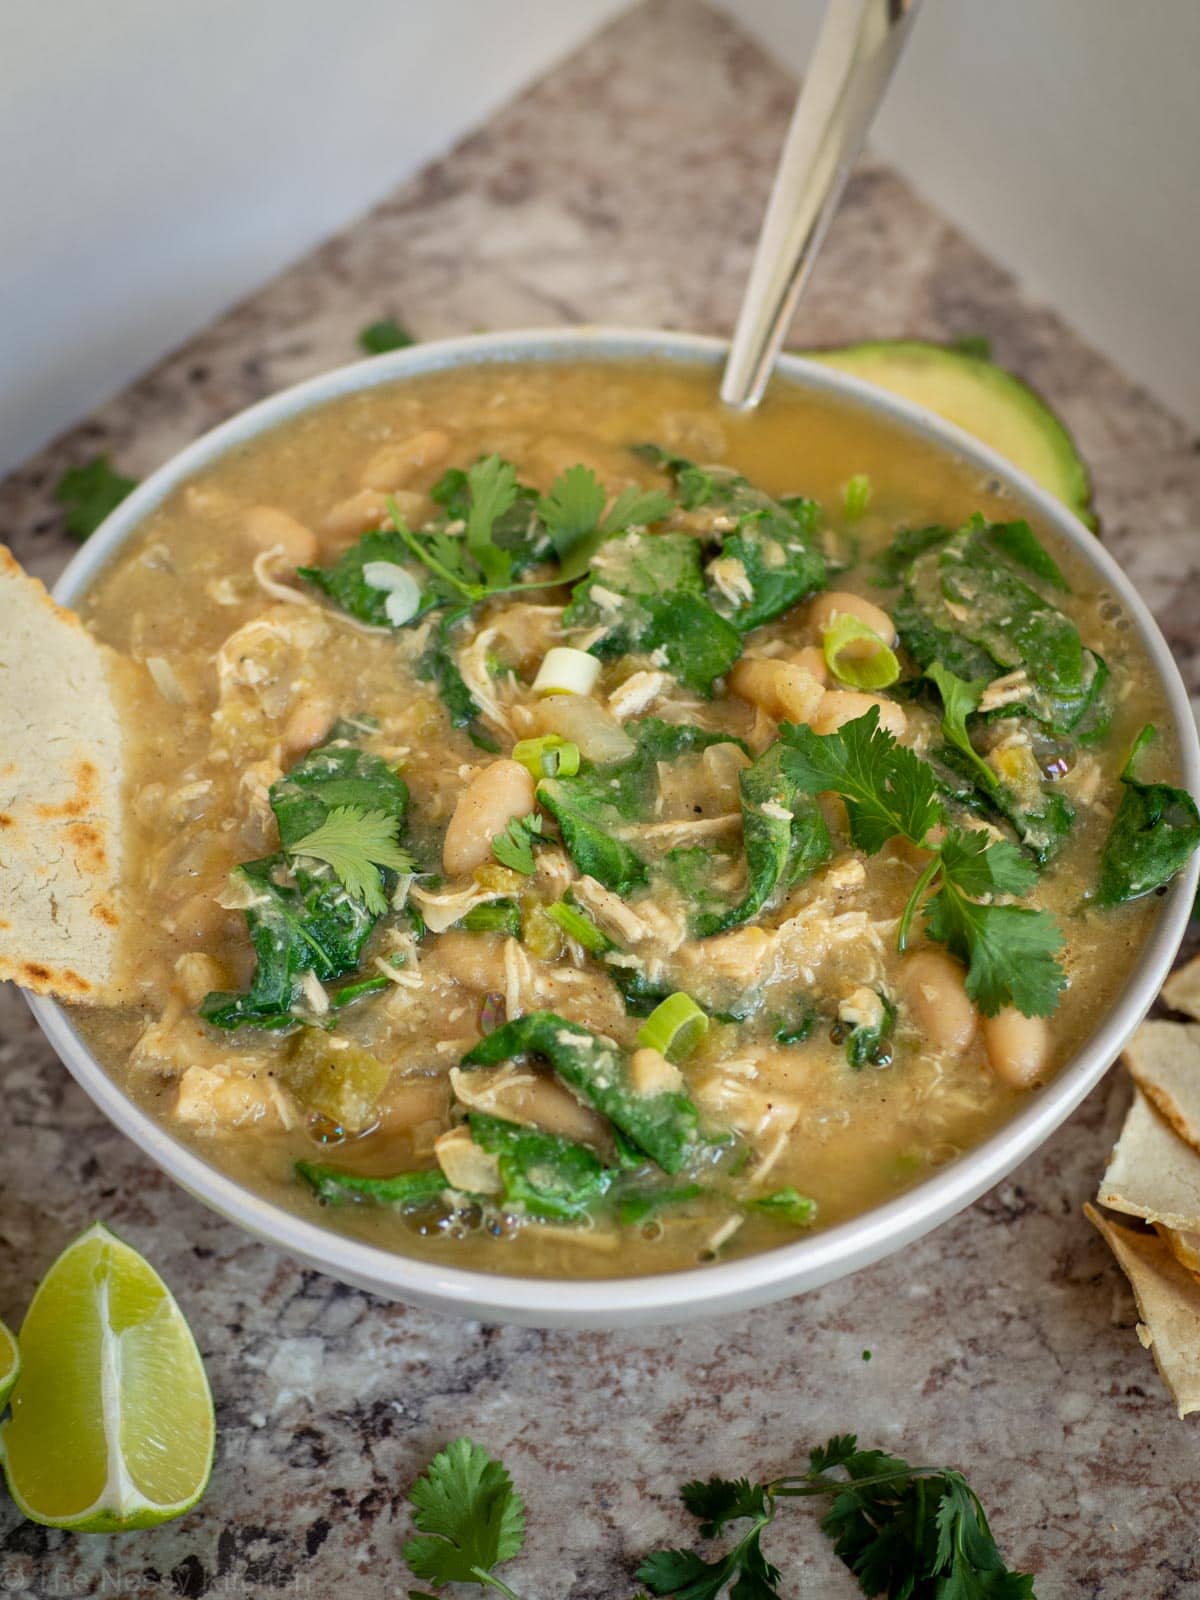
(858, 46)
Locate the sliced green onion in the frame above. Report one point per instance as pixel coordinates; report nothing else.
(579, 927)
(786, 1205)
(551, 756)
(856, 654)
(674, 1028)
(497, 916)
(350, 992)
(402, 590)
(565, 670)
(856, 496)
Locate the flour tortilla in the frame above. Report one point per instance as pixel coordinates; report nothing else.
(1164, 1060)
(1153, 1174)
(1182, 989)
(1168, 1302)
(60, 799)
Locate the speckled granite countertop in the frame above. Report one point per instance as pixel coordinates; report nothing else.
(627, 187)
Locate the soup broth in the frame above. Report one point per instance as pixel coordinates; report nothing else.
(816, 1071)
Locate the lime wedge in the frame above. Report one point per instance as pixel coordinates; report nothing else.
(10, 1364)
(112, 1420)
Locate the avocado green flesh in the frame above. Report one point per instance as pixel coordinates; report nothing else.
(981, 398)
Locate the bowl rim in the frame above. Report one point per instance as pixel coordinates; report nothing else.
(744, 1281)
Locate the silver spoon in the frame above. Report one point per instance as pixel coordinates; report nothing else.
(858, 47)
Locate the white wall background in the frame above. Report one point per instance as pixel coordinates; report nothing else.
(158, 160)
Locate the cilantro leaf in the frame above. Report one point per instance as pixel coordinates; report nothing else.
(723, 1500)
(887, 789)
(572, 516)
(960, 698)
(468, 1516)
(750, 1576)
(386, 334)
(357, 844)
(636, 507)
(493, 486)
(90, 492)
(1008, 950)
(514, 847)
(572, 508)
(978, 866)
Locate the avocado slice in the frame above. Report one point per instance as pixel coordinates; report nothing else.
(981, 398)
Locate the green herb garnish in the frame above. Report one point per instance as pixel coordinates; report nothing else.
(1009, 950)
(356, 844)
(469, 1519)
(89, 493)
(959, 700)
(379, 337)
(911, 1533)
(514, 847)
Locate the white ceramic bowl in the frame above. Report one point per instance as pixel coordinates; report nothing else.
(727, 1286)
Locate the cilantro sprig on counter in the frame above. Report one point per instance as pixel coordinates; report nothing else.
(89, 493)
(909, 1533)
(889, 791)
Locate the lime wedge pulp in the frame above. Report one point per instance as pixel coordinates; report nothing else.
(112, 1421)
(10, 1364)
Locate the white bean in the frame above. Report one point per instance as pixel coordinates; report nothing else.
(501, 791)
(780, 688)
(840, 603)
(394, 464)
(307, 724)
(931, 983)
(810, 658)
(844, 705)
(267, 526)
(1018, 1047)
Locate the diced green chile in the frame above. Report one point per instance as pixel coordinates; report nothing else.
(784, 836)
(546, 1175)
(407, 1191)
(663, 1125)
(1153, 835)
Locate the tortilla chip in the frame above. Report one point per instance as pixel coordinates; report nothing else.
(1152, 1173)
(60, 799)
(1168, 1302)
(1182, 989)
(1185, 1247)
(1164, 1061)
